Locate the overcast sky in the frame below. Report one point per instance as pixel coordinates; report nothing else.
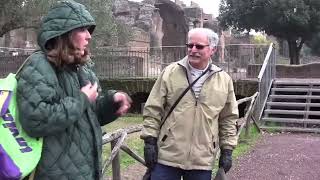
(208, 6)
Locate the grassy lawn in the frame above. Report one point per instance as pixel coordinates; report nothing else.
(245, 144)
(132, 140)
(136, 144)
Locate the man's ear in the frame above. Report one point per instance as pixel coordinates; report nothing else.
(213, 50)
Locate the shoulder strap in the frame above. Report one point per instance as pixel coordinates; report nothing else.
(22, 65)
(181, 96)
(25, 62)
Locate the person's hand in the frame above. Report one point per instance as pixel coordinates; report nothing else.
(225, 160)
(91, 91)
(150, 152)
(124, 101)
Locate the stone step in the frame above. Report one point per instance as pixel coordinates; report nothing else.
(287, 89)
(291, 120)
(294, 97)
(293, 104)
(297, 82)
(291, 112)
(290, 129)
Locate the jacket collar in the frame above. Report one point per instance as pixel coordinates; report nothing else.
(213, 68)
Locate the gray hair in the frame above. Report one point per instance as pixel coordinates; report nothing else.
(213, 38)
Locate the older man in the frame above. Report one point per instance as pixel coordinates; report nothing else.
(185, 143)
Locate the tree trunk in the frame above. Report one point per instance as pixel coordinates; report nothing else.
(294, 52)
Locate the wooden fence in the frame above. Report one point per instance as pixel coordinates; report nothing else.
(117, 138)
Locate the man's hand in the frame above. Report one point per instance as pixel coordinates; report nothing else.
(150, 152)
(225, 160)
(124, 101)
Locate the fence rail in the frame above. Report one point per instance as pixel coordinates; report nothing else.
(117, 138)
(149, 62)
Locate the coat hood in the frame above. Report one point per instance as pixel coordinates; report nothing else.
(62, 18)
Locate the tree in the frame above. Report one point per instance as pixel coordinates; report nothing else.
(15, 14)
(107, 26)
(314, 44)
(292, 20)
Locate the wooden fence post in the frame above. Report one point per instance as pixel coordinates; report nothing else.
(115, 163)
(247, 127)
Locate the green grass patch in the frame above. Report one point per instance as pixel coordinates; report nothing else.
(132, 140)
(245, 143)
(272, 127)
(123, 122)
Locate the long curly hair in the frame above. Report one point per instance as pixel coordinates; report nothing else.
(61, 51)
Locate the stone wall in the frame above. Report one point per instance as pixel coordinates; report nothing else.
(140, 40)
(174, 23)
(139, 89)
(17, 41)
(242, 88)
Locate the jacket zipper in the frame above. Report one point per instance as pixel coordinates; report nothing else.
(188, 160)
(204, 83)
(196, 105)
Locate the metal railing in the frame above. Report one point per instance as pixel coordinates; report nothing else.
(135, 63)
(149, 62)
(10, 64)
(266, 76)
(237, 57)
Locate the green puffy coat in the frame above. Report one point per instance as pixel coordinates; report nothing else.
(52, 106)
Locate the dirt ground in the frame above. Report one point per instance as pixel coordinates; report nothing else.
(282, 156)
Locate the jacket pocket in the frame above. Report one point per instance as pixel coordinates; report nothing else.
(166, 135)
(213, 145)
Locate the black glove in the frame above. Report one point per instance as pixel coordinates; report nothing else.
(150, 151)
(225, 160)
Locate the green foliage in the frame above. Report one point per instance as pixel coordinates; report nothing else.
(314, 44)
(260, 39)
(16, 14)
(292, 20)
(106, 26)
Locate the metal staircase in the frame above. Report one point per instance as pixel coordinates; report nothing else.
(293, 105)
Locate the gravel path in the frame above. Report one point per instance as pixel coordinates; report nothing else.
(282, 156)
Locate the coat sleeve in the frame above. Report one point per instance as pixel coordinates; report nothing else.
(154, 108)
(227, 120)
(42, 110)
(105, 106)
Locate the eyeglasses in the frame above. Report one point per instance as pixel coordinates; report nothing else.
(198, 46)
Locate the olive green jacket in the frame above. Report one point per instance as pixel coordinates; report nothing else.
(190, 136)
